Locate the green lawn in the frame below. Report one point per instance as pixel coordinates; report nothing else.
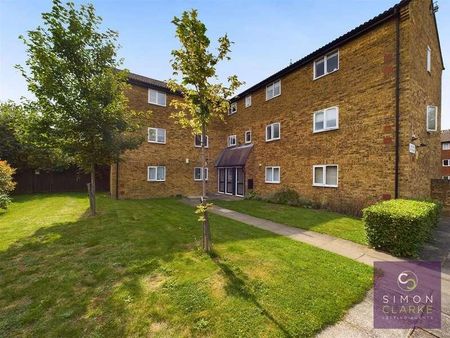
(322, 221)
(137, 270)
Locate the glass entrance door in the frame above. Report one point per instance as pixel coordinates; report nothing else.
(231, 181)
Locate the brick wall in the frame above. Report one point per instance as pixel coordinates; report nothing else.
(363, 147)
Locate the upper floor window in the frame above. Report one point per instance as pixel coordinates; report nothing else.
(429, 59)
(232, 140)
(326, 64)
(233, 108)
(431, 118)
(157, 135)
(273, 175)
(446, 163)
(273, 90)
(248, 136)
(327, 119)
(273, 132)
(156, 173)
(198, 141)
(198, 174)
(446, 146)
(248, 101)
(156, 97)
(325, 175)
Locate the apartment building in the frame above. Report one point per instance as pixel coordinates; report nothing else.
(445, 154)
(353, 122)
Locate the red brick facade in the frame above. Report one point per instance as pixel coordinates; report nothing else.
(359, 151)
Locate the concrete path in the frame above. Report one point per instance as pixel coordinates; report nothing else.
(358, 321)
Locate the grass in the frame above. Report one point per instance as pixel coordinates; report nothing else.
(322, 221)
(136, 270)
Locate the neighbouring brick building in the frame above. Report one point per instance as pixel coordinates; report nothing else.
(354, 122)
(445, 154)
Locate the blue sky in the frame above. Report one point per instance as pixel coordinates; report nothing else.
(267, 34)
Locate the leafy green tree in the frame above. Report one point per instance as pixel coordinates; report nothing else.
(204, 97)
(22, 145)
(72, 71)
(6, 183)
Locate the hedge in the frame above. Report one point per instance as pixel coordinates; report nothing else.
(400, 227)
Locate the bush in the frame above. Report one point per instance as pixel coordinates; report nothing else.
(6, 183)
(289, 196)
(400, 227)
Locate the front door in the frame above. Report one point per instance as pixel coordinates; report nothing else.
(231, 181)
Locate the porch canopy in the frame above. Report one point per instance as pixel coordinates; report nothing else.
(234, 157)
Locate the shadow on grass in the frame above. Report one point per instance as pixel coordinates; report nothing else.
(79, 278)
(238, 284)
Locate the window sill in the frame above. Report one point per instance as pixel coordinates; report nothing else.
(278, 182)
(206, 147)
(200, 180)
(153, 181)
(324, 185)
(153, 142)
(273, 139)
(325, 130)
(321, 76)
(159, 105)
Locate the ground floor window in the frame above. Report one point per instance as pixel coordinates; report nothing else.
(272, 174)
(325, 175)
(198, 174)
(156, 173)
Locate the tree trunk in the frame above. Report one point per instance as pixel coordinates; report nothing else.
(206, 228)
(91, 190)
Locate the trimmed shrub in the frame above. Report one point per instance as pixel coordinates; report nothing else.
(289, 196)
(400, 227)
(6, 183)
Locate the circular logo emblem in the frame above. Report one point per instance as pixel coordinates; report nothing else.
(407, 280)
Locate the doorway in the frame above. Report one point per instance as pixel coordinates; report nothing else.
(231, 181)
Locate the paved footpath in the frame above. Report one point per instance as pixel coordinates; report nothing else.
(358, 321)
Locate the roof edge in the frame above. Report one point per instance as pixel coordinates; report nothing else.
(329, 47)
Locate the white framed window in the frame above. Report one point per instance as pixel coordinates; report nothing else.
(273, 175)
(326, 119)
(156, 173)
(428, 59)
(446, 146)
(233, 108)
(198, 174)
(157, 135)
(432, 113)
(198, 141)
(446, 163)
(325, 175)
(248, 136)
(273, 132)
(248, 101)
(273, 90)
(326, 64)
(157, 97)
(446, 177)
(232, 140)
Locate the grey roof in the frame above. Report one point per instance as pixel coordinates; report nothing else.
(445, 135)
(147, 81)
(234, 157)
